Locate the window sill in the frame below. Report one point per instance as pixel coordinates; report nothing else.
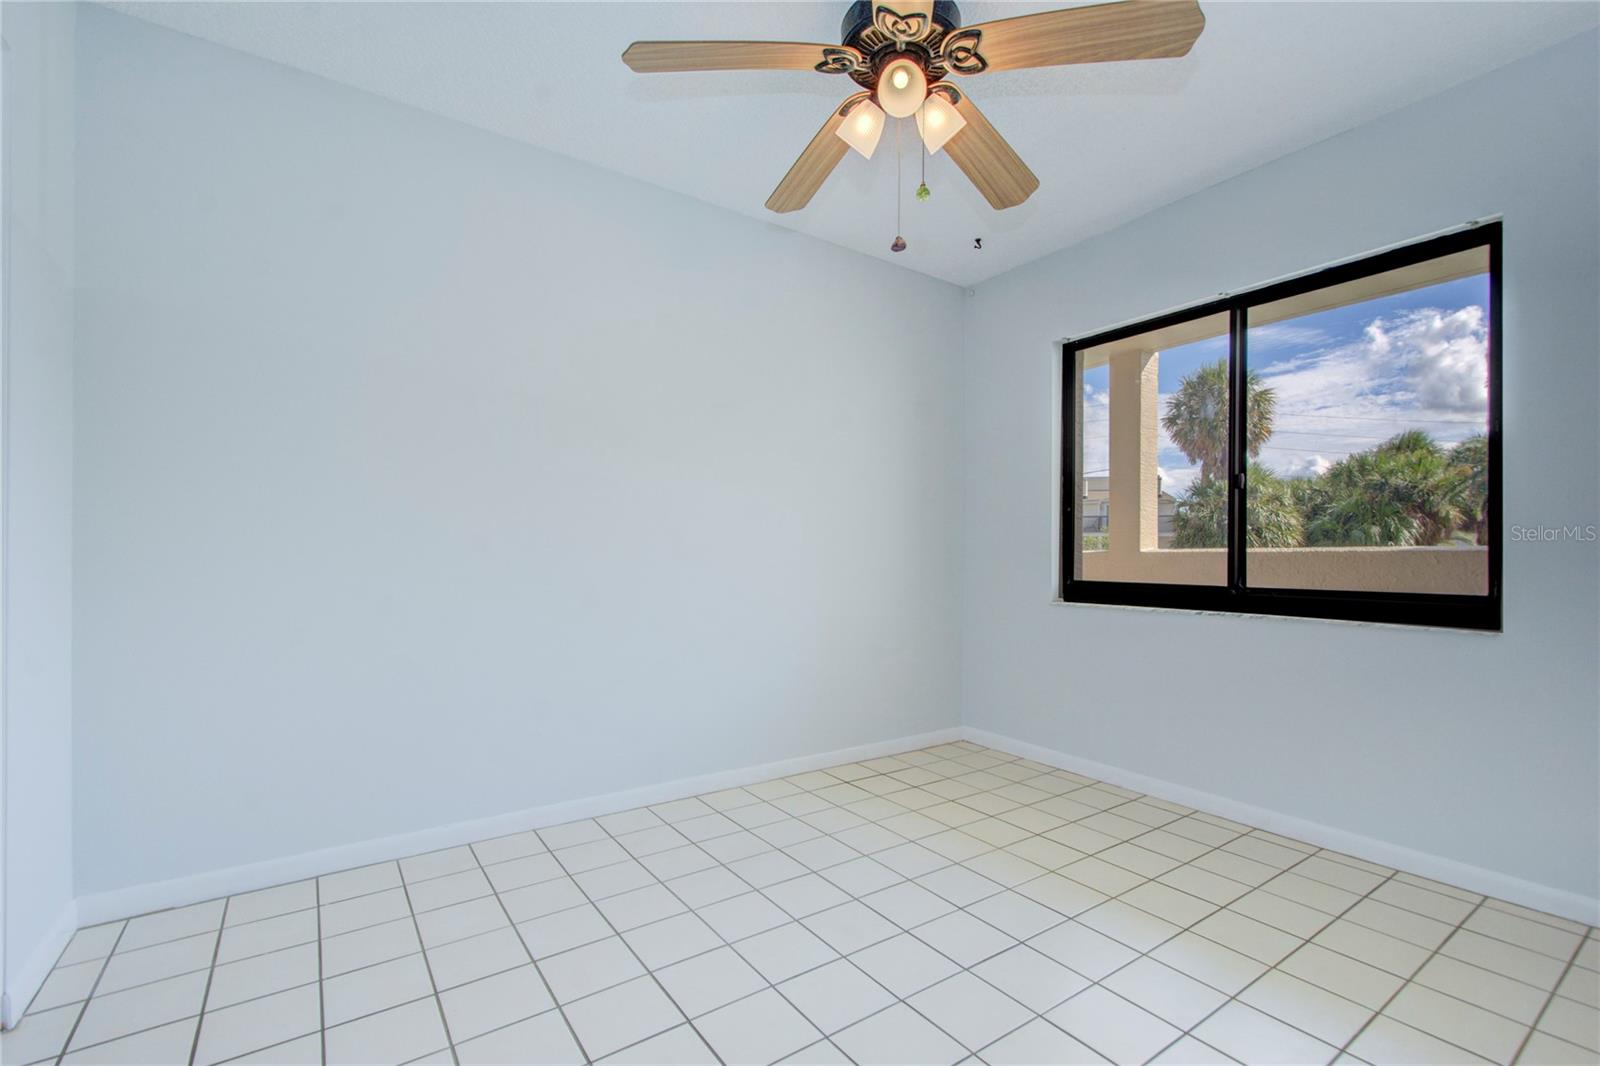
(1057, 601)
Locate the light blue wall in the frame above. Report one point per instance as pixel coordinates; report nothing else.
(1481, 749)
(36, 572)
(424, 476)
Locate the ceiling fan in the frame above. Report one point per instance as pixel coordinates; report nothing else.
(901, 51)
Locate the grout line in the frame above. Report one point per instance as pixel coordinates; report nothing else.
(281, 1043)
(1273, 967)
(57, 965)
(86, 1000)
(427, 964)
(1142, 954)
(549, 990)
(598, 991)
(612, 925)
(900, 929)
(1249, 831)
(827, 1036)
(1549, 994)
(1263, 887)
(319, 943)
(548, 1010)
(286, 1040)
(138, 1032)
(1537, 1018)
(1345, 1047)
(303, 984)
(1342, 915)
(1246, 831)
(216, 948)
(751, 889)
(322, 994)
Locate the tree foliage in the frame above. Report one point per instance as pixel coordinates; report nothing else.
(1197, 417)
(1404, 492)
(1272, 515)
(1472, 457)
(1407, 491)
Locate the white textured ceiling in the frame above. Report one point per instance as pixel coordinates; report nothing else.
(1109, 142)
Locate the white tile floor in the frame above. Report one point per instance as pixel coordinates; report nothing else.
(953, 904)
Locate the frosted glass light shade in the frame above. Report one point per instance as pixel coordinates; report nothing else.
(902, 86)
(862, 127)
(938, 121)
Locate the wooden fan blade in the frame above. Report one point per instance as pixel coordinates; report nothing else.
(815, 163)
(988, 161)
(1131, 29)
(662, 57)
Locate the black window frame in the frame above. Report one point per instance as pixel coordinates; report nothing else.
(1472, 612)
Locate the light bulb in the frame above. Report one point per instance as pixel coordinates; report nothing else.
(901, 88)
(938, 121)
(862, 127)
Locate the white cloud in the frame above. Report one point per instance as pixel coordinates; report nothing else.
(1175, 480)
(1096, 431)
(1286, 335)
(1448, 358)
(1424, 368)
(1302, 465)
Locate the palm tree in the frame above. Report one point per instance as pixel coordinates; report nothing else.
(1197, 417)
(1272, 513)
(1403, 492)
(1353, 509)
(1471, 457)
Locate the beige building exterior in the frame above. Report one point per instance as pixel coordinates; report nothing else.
(1094, 509)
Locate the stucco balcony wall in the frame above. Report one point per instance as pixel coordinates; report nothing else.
(1455, 570)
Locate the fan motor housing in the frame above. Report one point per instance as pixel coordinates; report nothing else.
(882, 34)
(859, 17)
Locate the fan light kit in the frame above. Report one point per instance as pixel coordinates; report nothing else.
(938, 121)
(900, 52)
(862, 127)
(901, 88)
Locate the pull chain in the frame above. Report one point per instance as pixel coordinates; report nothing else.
(922, 190)
(899, 244)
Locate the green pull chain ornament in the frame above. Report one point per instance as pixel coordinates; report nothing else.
(899, 244)
(922, 190)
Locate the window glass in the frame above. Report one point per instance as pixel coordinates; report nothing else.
(1152, 423)
(1368, 427)
(1095, 483)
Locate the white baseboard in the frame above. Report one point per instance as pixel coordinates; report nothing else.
(1572, 905)
(161, 895)
(142, 899)
(24, 984)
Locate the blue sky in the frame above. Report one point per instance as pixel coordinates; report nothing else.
(1345, 379)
